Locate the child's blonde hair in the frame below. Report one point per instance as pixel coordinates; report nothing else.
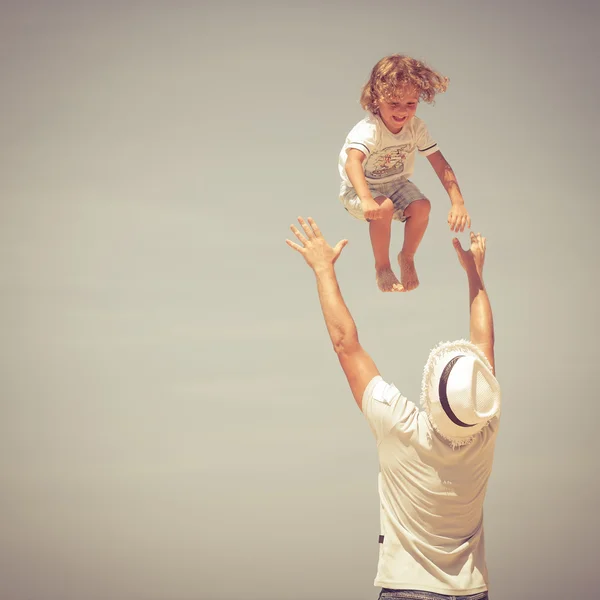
(392, 73)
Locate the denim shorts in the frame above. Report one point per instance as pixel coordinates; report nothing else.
(400, 191)
(387, 594)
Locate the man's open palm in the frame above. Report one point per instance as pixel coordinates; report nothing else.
(315, 249)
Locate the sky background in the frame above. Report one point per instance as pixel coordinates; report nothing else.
(175, 425)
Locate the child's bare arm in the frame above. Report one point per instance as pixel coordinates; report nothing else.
(446, 175)
(458, 217)
(356, 175)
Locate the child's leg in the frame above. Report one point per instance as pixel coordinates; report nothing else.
(417, 217)
(380, 231)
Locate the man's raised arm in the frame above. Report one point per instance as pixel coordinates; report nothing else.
(320, 257)
(481, 323)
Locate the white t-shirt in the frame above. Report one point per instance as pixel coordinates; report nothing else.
(431, 498)
(388, 156)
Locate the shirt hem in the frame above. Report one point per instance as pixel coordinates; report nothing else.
(394, 585)
(389, 179)
(347, 184)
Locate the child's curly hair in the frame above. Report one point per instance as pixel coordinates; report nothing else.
(391, 73)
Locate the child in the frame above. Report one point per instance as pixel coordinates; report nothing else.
(378, 158)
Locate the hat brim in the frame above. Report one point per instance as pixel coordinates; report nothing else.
(446, 350)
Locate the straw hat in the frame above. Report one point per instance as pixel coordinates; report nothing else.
(459, 392)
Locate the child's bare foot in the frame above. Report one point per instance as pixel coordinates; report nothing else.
(408, 273)
(387, 281)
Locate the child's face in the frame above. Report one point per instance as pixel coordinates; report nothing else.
(397, 111)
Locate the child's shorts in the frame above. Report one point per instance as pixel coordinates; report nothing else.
(400, 191)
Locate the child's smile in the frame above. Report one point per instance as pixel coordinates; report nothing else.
(397, 111)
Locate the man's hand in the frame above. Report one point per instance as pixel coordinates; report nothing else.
(458, 218)
(315, 250)
(475, 256)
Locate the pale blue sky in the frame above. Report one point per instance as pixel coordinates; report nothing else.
(175, 424)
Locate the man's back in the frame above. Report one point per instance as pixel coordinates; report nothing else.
(432, 498)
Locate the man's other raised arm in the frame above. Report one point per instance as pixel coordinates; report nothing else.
(481, 318)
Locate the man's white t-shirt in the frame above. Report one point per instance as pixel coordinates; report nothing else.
(388, 156)
(431, 498)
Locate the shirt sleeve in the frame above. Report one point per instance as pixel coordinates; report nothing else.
(385, 407)
(425, 143)
(363, 137)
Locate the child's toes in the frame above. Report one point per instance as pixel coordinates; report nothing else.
(408, 273)
(387, 281)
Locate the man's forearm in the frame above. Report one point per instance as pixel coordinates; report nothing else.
(481, 321)
(339, 321)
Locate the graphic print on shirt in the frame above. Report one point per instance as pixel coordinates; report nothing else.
(387, 162)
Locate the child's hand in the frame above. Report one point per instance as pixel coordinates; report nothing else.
(371, 210)
(458, 218)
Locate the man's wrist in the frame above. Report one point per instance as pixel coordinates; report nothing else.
(475, 275)
(323, 269)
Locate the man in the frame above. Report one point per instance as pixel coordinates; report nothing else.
(434, 463)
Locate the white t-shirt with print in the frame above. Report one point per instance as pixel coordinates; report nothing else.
(431, 498)
(388, 156)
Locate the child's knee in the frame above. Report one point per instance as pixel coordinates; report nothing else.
(419, 208)
(387, 207)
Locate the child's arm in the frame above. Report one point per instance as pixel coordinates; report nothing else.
(356, 175)
(458, 217)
